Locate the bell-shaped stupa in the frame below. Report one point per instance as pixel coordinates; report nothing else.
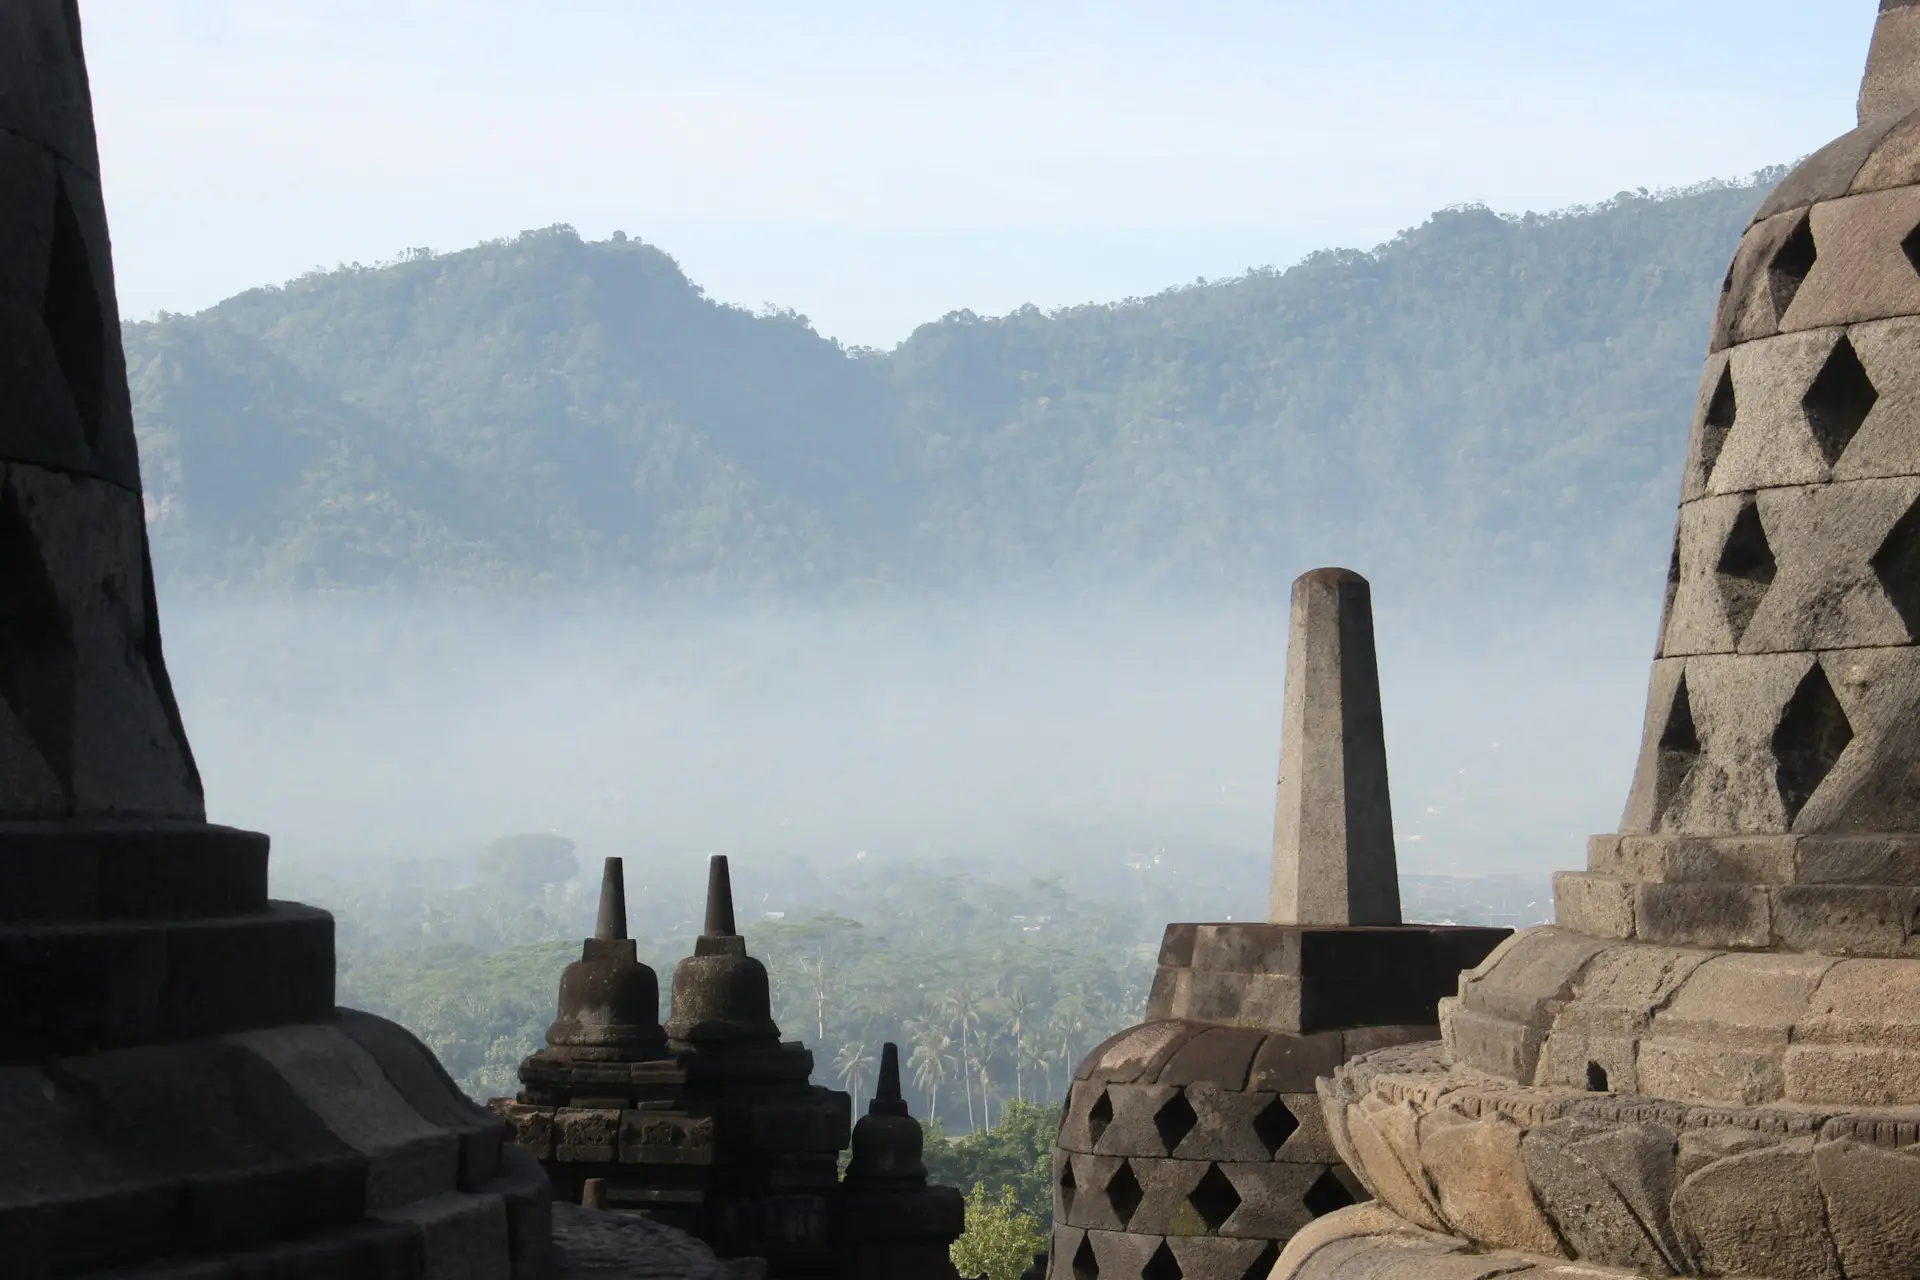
(181, 1097)
(1710, 1064)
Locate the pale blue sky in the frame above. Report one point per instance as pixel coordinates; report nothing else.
(875, 165)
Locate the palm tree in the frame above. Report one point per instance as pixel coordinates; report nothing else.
(962, 1008)
(932, 1062)
(853, 1064)
(1017, 1012)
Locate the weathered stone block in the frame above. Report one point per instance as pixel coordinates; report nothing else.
(530, 1127)
(1134, 1129)
(1607, 1190)
(1864, 1002)
(1271, 1205)
(1216, 1258)
(1872, 1206)
(664, 1138)
(583, 1136)
(1290, 1063)
(1489, 1043)
(420, 1079)
(408, 1159)
(1475, 1167)
(1861, 273)
(1225, 1124)
(1858, 860)
(1164, 1188)
(1708, 1071)
(462, 1237)
(1220, 1056)
(1703, 915)
(1593, 905)
(1851, 1075)
(1757, 1213)
(1846, 920)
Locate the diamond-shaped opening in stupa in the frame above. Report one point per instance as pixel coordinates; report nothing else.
(1100, 1115)
(1174, 1121)
(1838, 402)
(1068, 1185)
(1792, 264)
(1327, 1194)
(1911, 247)
(1897, 566)
(1085, 1265)
(1722, 408)
(1745, 569)
(1162, 1265)
(1124, 1193)
(70, 310)
(1679, 746)
(1264, 1264)
(1812, 733)
(1274, 1125)
(1215, 1198)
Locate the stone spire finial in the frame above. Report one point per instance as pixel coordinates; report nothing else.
(719, 899)
(611, 924)
(1892, 82)
(887, 1099)
(720, 993)
(1333, 858)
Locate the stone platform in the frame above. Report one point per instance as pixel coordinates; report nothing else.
(309, 1150)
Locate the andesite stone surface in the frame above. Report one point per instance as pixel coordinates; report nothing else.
(1333, 857)
(179, 1095)
(708, 1123)
(1194, 1144)
(1710, 1063)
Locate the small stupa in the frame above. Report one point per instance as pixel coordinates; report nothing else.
(709, 1123)
(888, 1224)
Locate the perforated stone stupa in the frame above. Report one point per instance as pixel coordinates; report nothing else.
(1193, 1145)
(178, 1094)
(1710, 1064)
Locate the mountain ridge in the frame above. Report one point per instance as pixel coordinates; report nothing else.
(1486, 402)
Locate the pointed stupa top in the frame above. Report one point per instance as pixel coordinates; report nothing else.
(88, 723)
(721, 995)
(611, 923)
(1891, 85)
(887, 1098)
(1333, 858)
(719, 899)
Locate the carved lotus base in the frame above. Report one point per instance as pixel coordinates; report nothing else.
(1644, 1185)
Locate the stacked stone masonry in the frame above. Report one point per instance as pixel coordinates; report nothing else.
(1710, 1064)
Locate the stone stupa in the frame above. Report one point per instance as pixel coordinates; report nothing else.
(1191, 1145)
(178, 1094)
(1710, 1064)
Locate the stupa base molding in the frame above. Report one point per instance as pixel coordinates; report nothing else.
(1645, 1186)
(1368, 1242)
(321, 1149)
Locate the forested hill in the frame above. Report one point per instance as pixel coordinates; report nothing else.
(1483, 400)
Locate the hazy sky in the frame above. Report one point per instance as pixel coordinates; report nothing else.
(877, 164)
